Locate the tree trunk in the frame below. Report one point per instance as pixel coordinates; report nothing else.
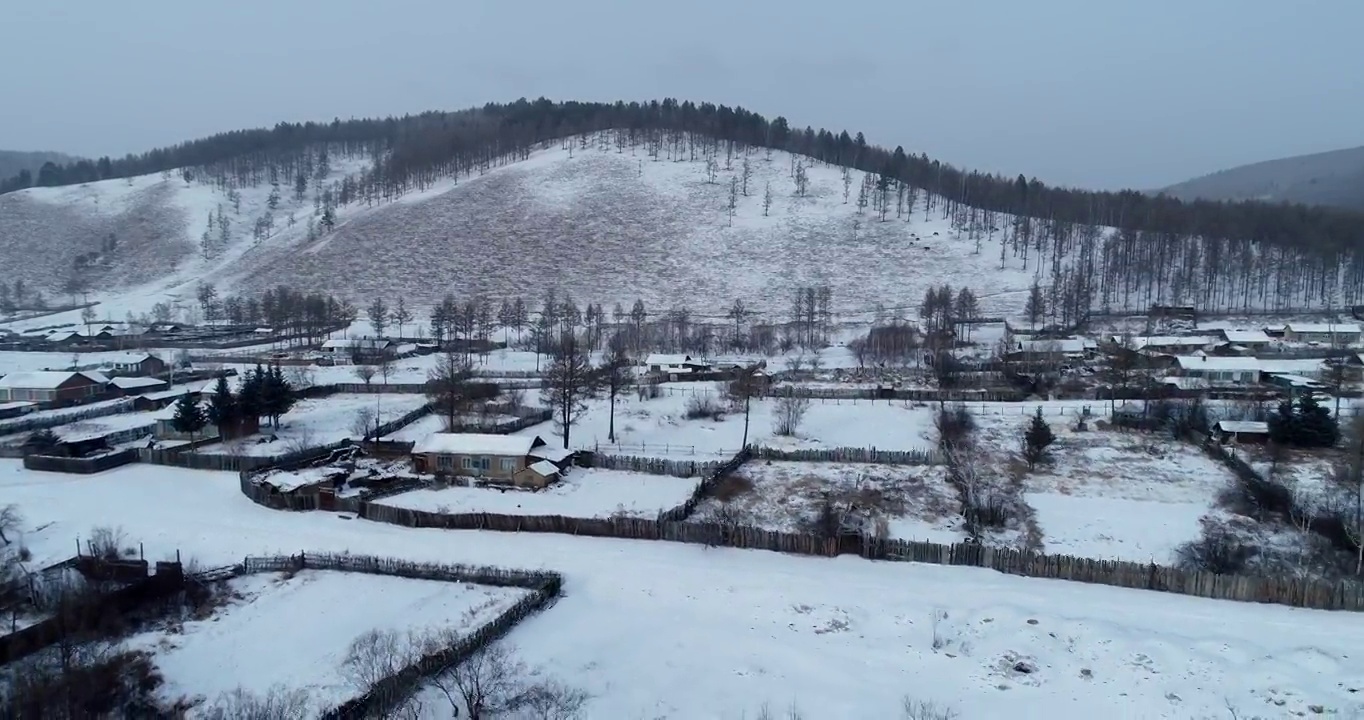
(611, 428)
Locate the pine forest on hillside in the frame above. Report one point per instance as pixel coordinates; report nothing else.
(1093, 251)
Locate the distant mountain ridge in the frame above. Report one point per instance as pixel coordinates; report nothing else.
(1334, 178)
(14, 161)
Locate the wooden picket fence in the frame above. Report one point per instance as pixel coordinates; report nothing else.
(390, 692)
(672, 525)
(650, 466)
(853, 455)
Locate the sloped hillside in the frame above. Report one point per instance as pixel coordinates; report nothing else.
(597, 224)
(14, 161)
(1330, 178)
(607, 226)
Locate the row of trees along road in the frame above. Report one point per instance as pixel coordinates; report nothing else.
(1219, 256)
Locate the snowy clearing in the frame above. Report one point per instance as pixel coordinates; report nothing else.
(654, 629)
(659, 427)
(1112, 495)
(583, 493)
(293, 630)
(319, 421)
(915, 502)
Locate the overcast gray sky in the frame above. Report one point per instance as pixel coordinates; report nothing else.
(1096, 93)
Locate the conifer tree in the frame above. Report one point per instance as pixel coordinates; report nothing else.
(189, 416)
(1036, 439)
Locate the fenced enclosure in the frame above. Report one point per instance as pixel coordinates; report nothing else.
(656, 449)
(80, 466)
(64, 417)
(648, 465)
(853, 455)
(388, 693)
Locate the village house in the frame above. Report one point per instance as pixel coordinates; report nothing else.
(134, 364)
(1332, 333)
(1054, 350)
(1172, 344)
(1219, 370)
(508, 459)
(52, 386)
(663, 364)
(359, 350)
(1241, 431)
(1252, 339)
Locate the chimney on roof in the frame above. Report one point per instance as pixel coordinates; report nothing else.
(1205, 358)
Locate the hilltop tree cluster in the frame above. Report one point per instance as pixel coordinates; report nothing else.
(1216, 255)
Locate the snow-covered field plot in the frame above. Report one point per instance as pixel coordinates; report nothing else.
(581, 493)
(660, 428)
(1114, 495)
(319, 421)
(295, 630)
(101, 426)
(915, 502)
(655, 629)
(8, 424)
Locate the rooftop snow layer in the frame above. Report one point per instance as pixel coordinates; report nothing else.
(475, 444)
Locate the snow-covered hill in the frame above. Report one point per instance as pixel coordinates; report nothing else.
(600, 225)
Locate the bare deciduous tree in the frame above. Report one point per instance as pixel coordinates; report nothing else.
(378, 654)
(488, 682)
(570, 381)
(790, 412)
(366, 373)
(451, 389)
(364, 422)
(278, 703)
(617, 375)
(10, 522)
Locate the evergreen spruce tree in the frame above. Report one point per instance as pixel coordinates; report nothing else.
(250, 399)
(1036, 439)
(189, 416)
(1283, 424)
(223, 410)
(278, 395)
(1316, 426)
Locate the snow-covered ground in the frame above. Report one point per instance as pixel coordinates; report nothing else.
(659, 428)
(1112, 495)
(583, 493)
(294, 630)
(915, 503)
(319, 421)
(656, 629)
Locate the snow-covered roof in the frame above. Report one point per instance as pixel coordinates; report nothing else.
(1322, 327)
(168, 412)
(544, 468)
(15, 405)
(348, 343)
(1058, 345)
(1205, 362)
(1242, 426)
(46, 379)
(1297, 380)
(1242, 337)
(126, 359)
(60, 336)
(553, 454)
(662, 359)
(475, 444)
(1172, 341)
(128, 383)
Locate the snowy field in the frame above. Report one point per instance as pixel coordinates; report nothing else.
(659, 427)
(290, 629)
(583, 493)
(1113, 495)
(913, 503)
(654, 629)
(319, 421)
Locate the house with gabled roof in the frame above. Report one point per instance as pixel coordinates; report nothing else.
(497, 458)
(53, 386)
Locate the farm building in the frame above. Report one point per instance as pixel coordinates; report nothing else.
(133, 385)
(1219, 370)
(506, 458)
(56, 386)
(674, 364)
(1173, 344)
(165, 426)
(1334, 333)
(1241, 431)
